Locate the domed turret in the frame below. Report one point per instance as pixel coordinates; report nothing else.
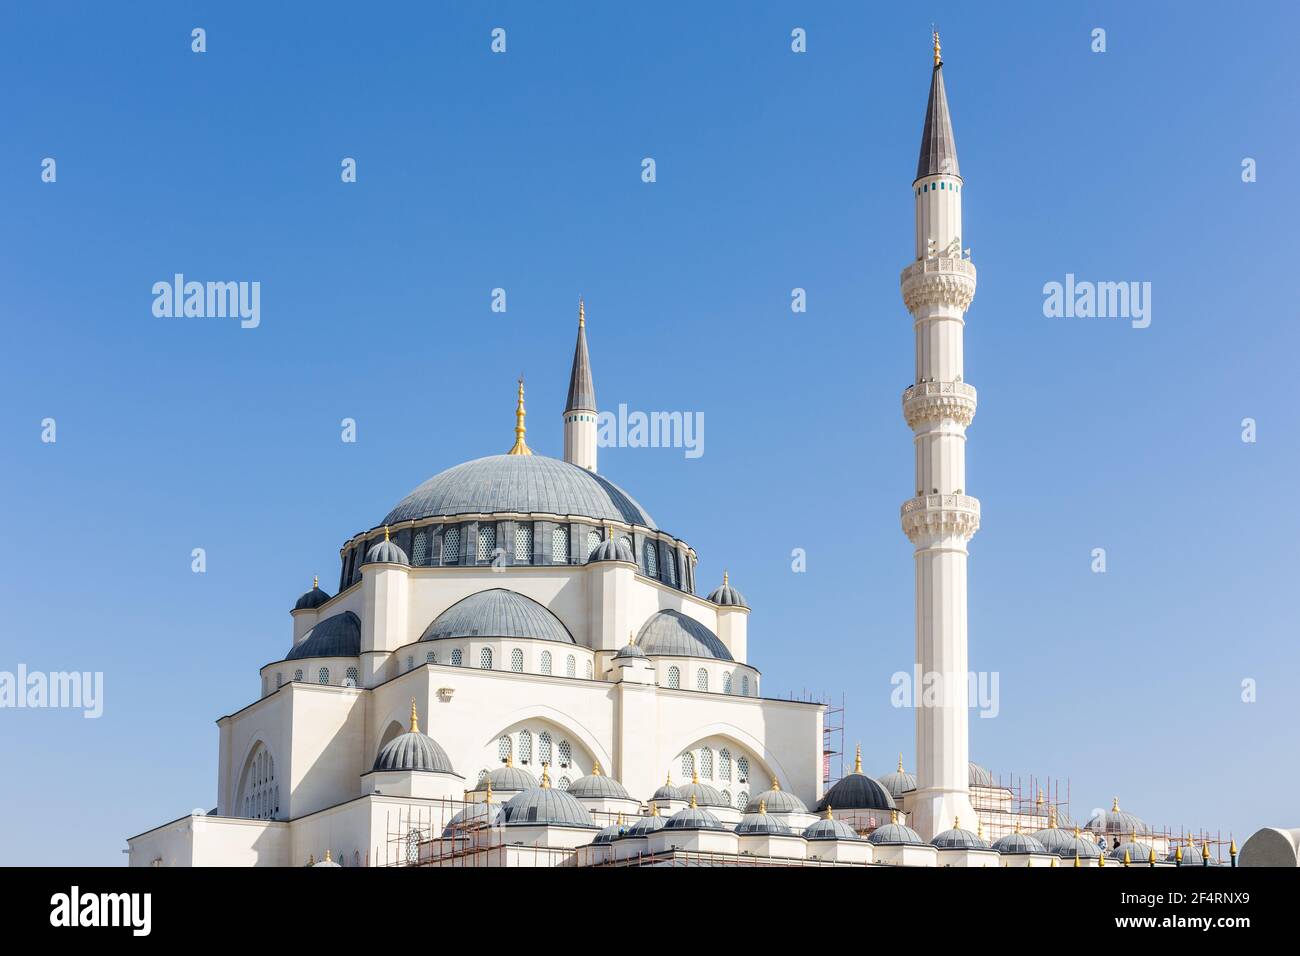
(413, 751)
(667, 793)
(313, 598)
(614, 831)
(693, 817)
(672, 633)
(1054, 839)
(597, 786)
(959, 839)
(339, 635)
(857, 791)
(1133, 850)
(646, 825)
(474, 816)
(543, 805)
(1117, 822)
(701, 794)
(328, 861)
(777, 801)
(899, 782)
(507, 779)
(894, 833)
(386, 552)
(1018, 843)
(828, 828)
(762, 822)
(726, 595)
(629, 650)
(612, 550)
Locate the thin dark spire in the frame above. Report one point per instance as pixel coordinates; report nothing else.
(582, 393)
(938, 147)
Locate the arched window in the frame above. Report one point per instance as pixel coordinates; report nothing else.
(352, 678)
(726, 682)
(485, 658)
(523, 544)
(724, 764)
(726, 796)
(742, 800)
(420, 549)
(517, 661)
(544, 747)
(560, 545)
(413, 847)
(650, 552)
(565, 753)
(701, 679)
(487, 541)
(259, 792)
(297, 675)
(671, 568)
(482, 775)
(593, 542)
(456, 657)
(525, 747)
(706, 763)
(674, 677)
(431, 657)
(627, 543)
(503, 748)
(589, 670)
(324, 676)
(744, 685)
(546, 662)
(563, 783)
(688, 766)
(279, 680)
(742, 771)
(570, 666)
(451, 545)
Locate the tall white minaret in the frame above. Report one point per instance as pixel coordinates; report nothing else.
(937, 288)
(580, 409)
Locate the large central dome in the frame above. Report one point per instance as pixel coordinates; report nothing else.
(525, 484)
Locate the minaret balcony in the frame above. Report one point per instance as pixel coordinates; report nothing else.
(941, 281)
(928, 402)
(940, 516)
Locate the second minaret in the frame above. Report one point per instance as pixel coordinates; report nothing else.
(580, 409)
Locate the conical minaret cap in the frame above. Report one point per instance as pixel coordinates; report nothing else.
(582, 393)
(938, 147)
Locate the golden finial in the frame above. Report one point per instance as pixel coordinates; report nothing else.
(546, 777)
(1114, 805)
(1151, 856)
(693, 803)
(1101, 860)
(328, 858)
(619, 821)
(776, 784)
(415, 718)
(631, 639)
(386, 532)
(1127, 860)
(668, 780)
(725, 577)
(956, 823)
(1053, 861)
(695, 776)
(762, 807)
(938, 60)
(315, 582)
(510, 759)
(1017, 830)
(829, 815)
(1051, 817)
(900, 762)
(1205, 851)
(311, 860)
(1178, 854)
(979, 829)
(582, 314)
(1076, 831)
(489, 790)
(1232, 847)
(893, 816)
(521, 446)
(857, 759)
(1039, 801)
(654, 809)
(595, 769)
(1076, 857)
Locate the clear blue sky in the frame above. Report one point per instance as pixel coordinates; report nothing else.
(775, 170)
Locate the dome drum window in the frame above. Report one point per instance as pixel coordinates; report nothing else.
(451, 545)
(487, 544)
(517, 661)
(523, 544)
(560, 545)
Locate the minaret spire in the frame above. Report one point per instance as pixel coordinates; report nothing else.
(521, 446)
(580, 408)
(937, 288)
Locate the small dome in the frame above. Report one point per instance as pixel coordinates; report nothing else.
(644, 826)
(828, 828)
(337, 636)
(895, 834)
(777, 801)
(666, 792)
(612, 832)
(413, 751)
(386, 552)
(1058, 841)
(497, 612)
(313, 598)
(507, 778)
(326, 862)
(1018, 842)
(1192, 854)
(857, 791)
(672, 633)
(1117, 822)
(959, 839)
(702, 794)
(612, 550)
(630, 649)
(473, 817)
(763, 822)
(727, 596)
(693, 818)
(980, 776)
(545, 806)
(597, 786)
(1138, 852)
(899, 782)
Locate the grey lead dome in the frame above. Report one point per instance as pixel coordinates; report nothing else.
(336, 636)
(672, 633)
(497, 613)
(413, 751)
(520, 484)
(546, 806)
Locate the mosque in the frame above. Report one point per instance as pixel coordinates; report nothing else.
(517, 670)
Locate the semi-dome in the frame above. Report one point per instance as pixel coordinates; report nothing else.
(980, 776)
(1117, 822)
(597, 786)
(474, 816)
(413, 751)
(1018, 842)
(777, 800)
(727, 596)
(702, 794)
(899, 782)
(857, 791)
(958, 839)
(337, 636)
(693, 818)
(520, 484)
(672, 633)
(497, 613)
(612, 550)
(828, 828)
(895, 834)
(545, 806)
(386, 552)
(507, 778)
(763, 822)
(313, 598)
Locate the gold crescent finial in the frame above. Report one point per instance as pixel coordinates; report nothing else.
(829, 815)
(582, 314)
(776, 784)
(693, 803)
(857, 759)
(1114, 805)
(546, 777)
(956, 823)
(1051, 817)
(695, 776)
(725, 577)
(1017, 826)
(938, 59)
(893, 816)
(900, 762)
(668, 780)
(654, 809)
(315, 582)
(762, 806)
(521, 446)
(386, 532)
(595, 769)
(1151, 856)
(415, 718)
(1101, 860)
(510, 759)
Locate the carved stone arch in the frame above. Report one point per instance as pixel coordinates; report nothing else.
(734, 734)
(560, 721)
(260, 778)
